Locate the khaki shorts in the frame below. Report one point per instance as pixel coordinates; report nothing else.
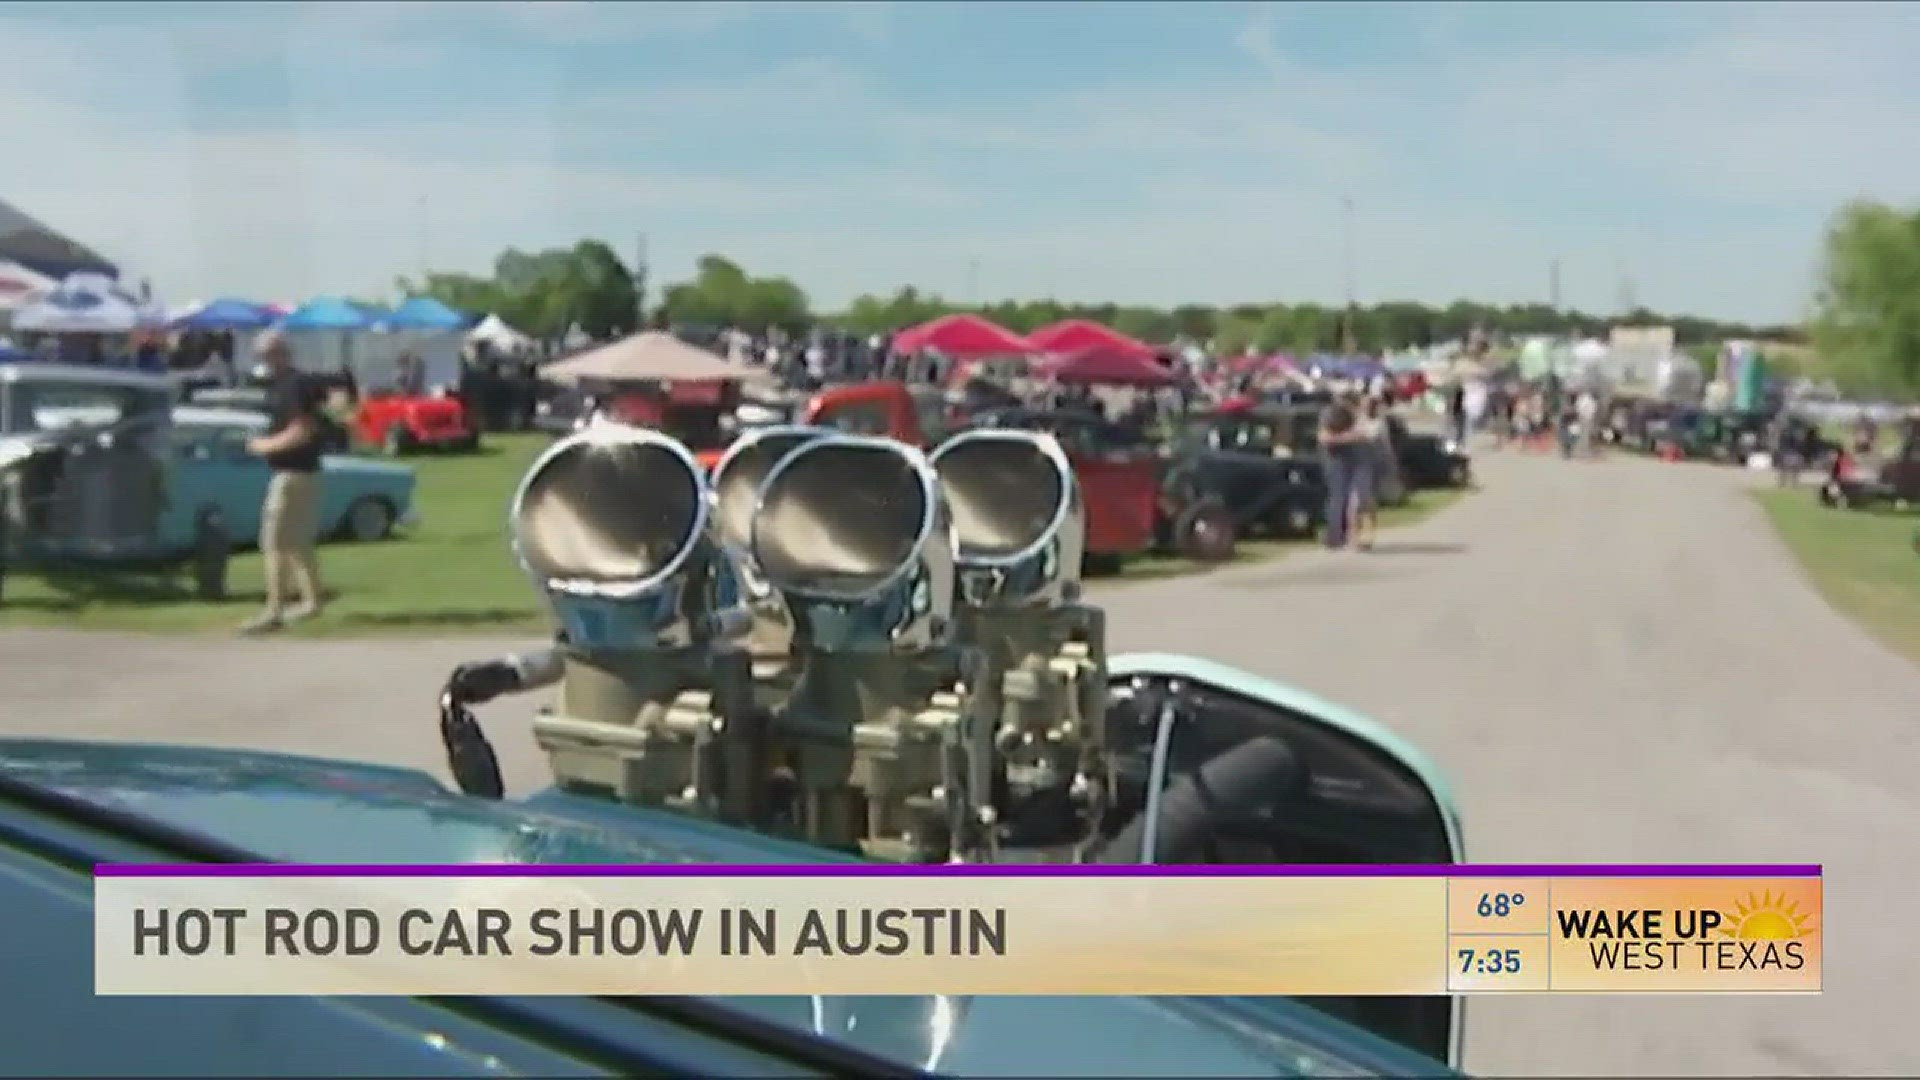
(290, 520)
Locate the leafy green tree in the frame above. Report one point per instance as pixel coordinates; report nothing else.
(723, 294)
(1866, 322)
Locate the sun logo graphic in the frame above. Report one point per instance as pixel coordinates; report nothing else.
(1766, 917)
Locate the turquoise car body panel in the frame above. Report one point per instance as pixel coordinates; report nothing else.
(299, 809)
(211, 468)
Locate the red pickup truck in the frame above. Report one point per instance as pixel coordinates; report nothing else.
(1121, 486)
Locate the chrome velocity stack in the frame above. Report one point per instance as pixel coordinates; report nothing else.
(1020, 526)
(607, 523)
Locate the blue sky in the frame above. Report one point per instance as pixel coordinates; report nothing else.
(1138, 152)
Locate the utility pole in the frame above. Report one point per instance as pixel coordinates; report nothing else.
(1624, 298)
(1347, 336)
(640, 283)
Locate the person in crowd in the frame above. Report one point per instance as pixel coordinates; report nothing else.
(1457, 412)
(1866, 435)
(148, 357)
(1343, 447)
(1784, 446)
(412, 375)
(1500, 414)
(1586, 410)
(1371, 465)
(289, 518)
(1475, 402)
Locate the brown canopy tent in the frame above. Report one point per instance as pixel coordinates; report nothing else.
(651, 356)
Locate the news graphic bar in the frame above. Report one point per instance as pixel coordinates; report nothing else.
(958, 930)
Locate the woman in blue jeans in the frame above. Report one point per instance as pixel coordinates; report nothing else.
(1347, 455)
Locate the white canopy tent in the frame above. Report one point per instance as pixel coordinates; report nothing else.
(20, 286)
(87, 304)
(498, 336)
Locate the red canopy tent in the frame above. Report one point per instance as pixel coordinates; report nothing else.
(1106, 366)
(1075, 335)
(963, 337)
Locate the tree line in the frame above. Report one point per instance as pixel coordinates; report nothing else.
(1866, 320)
(545, 293)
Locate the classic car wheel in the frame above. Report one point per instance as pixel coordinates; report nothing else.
(1298, 523)
(1457, 476)
(369, 519)
(396, 442)
(1205, 534)
(1832, 494)
(211, 549)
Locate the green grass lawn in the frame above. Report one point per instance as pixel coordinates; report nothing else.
(1862, 561)
(452, 573)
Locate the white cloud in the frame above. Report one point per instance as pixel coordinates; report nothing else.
(1471, 169)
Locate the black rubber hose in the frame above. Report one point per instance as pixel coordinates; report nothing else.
(1236, 782)
(470, 757)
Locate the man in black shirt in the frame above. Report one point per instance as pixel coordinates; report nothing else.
(289, 519)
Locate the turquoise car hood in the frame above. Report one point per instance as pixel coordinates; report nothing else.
(296, 809)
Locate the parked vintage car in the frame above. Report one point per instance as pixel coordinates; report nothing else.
(85, 480)
(404, 423)
(1118, 471)
(1233, 460)
(253, 399)
(360, 498)
(1427, 460)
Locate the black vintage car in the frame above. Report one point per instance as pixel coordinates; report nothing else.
(1428, 461)
(1293, 431)
(1233, 460)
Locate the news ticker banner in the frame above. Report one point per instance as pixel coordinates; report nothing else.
(865, 929)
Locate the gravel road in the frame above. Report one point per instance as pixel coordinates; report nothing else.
(1616, 661)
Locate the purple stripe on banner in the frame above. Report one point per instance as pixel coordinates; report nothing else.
(693, 870)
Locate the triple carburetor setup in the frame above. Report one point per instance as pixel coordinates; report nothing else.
(833, 638)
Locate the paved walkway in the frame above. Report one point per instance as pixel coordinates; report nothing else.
(1616, 661)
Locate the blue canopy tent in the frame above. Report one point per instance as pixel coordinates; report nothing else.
(226, 314)
(1364, 367)
(426, 313)
(331, 316)
(329, 313)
